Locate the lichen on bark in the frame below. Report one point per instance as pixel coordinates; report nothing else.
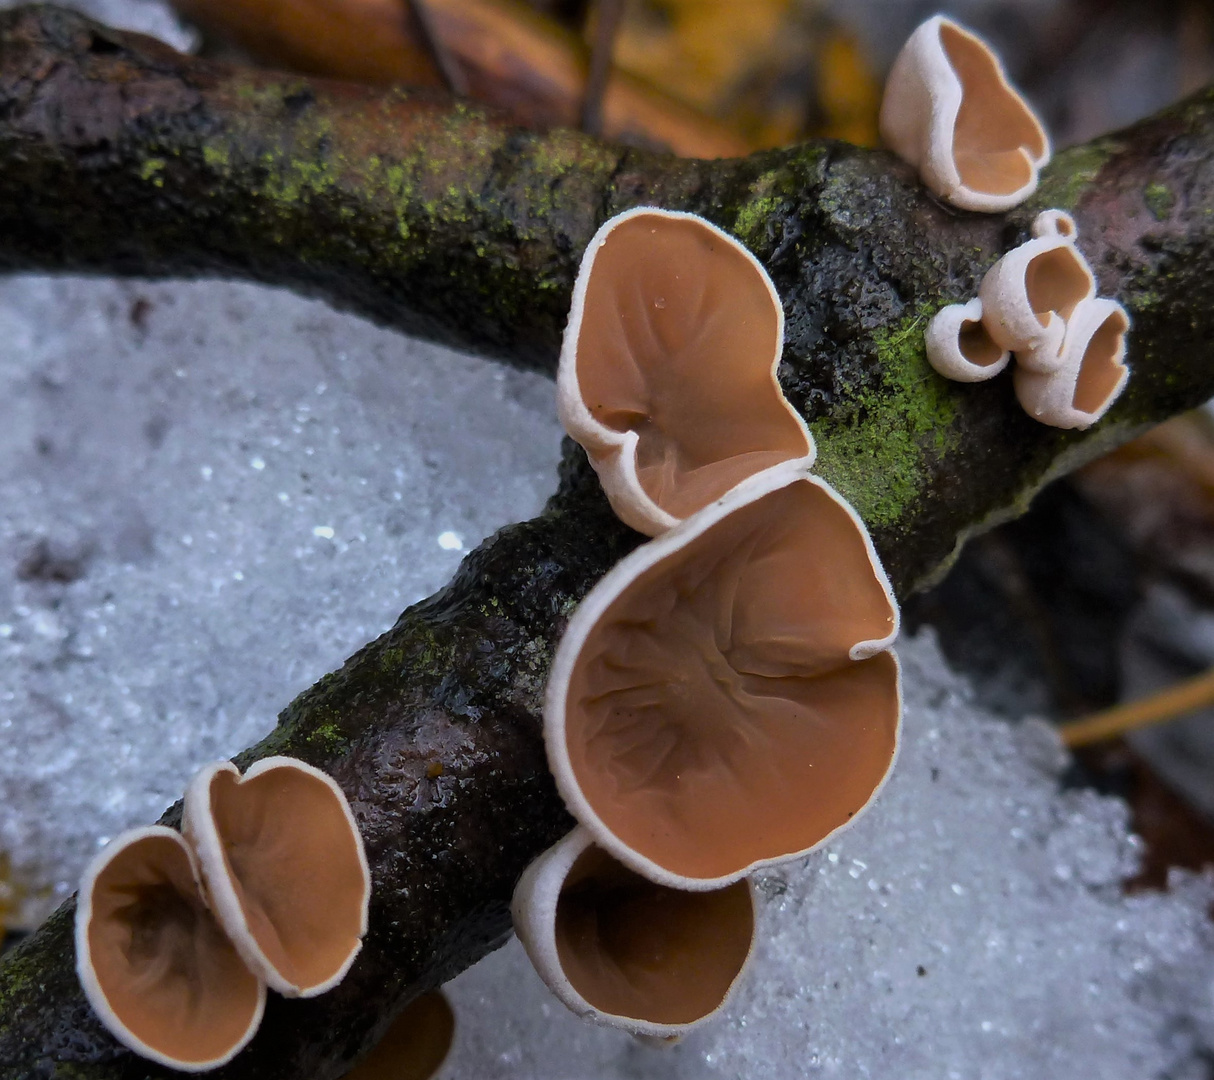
(119, 156)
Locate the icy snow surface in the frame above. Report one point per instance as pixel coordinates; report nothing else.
(210, 494)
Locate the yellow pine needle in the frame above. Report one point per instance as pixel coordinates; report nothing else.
(1168, 704)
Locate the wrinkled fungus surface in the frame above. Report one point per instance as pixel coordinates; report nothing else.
(715, 717)
(635, 949)
(165, 968)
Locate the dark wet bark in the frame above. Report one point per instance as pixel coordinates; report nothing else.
(119, 156)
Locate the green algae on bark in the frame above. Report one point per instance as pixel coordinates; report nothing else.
(122, 157)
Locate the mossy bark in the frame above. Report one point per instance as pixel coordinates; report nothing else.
(119, 156)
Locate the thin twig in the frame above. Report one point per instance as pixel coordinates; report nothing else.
(444, 59)
(606, 25)
(1176, 700)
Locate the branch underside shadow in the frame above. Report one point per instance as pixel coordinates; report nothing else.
(119, 156)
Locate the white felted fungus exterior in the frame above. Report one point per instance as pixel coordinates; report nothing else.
(313, 884)
(959, 346)
(1029, 294)
(535, 908)
(1091, 375)
(949, 110)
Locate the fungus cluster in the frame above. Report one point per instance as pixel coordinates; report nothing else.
(949, 110)
(1038, 303)
(725, 698)
(179, 935)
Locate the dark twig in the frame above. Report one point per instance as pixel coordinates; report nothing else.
(448, 66)
(607, 24)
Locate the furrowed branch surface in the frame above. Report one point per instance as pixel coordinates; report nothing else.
(119, 156)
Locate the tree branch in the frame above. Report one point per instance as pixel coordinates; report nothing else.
(119, 156)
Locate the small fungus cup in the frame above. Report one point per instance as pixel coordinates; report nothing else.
(155, 966)
(1030, 294)
(284, 869)
(668, 368)
(624, 952)
(949, 110)
(725, 697)
(1092, 372)
(959, 346)
(415, 1045)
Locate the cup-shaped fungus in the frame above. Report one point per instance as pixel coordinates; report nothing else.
(1030, 294)
(283, 868)
(1091, 375)
(623, 951)
(415, 1045)
(949, 110)
(154, 964)
(959, 346)
(724, 698)
(668, 368)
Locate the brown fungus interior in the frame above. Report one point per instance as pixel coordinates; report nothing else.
(643, 951)
(1056, 280)
(714, 718)
(295, 867)
(994, 127)
(1100, 371)
(977, 345)
(415, 1045)
(678, 334)
(166, 968)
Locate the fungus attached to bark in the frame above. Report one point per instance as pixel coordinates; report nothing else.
(415, 1045)
(1029, 295)
(668, 368)
(623, 951)
(949, 110)
(155, 965)
(1091, 374)
(725, 698)
(284, 869)
(959, 346)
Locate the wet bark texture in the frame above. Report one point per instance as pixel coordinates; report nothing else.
(121, 157)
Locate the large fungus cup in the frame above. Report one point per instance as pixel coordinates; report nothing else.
(284, 869)
(668, 369)
(1092, 372)
(1030, 294)
(724, 698)
(154, 964)
(949, 110)
(625, 952)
